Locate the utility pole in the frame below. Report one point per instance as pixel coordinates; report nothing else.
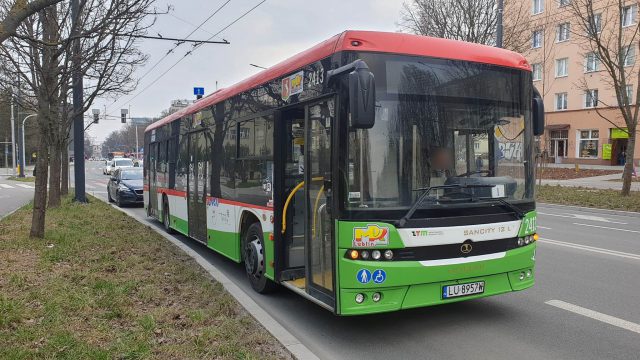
(13, 135)
(78, 118)
(499, 24)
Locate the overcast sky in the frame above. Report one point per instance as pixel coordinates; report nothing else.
(276, 30)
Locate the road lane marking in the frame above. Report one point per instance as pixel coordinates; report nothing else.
(591, 248)
(608, 319)
(26, 186)
(544, 227)
(583, 217)
(608, 228)
(6, 186)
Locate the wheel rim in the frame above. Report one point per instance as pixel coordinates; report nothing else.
(253, 257)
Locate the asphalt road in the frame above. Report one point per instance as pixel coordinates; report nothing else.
(13, 195)
(585, 304)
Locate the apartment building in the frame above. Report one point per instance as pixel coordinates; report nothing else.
(573, 82)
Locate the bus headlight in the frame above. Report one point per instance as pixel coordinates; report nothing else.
(364, 254)
(376, 297)
(353, 254)
(388, 254)
(375, 254)
(522, 276)
(359, 298)
(520, 241)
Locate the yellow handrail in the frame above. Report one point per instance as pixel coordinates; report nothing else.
(286, 203)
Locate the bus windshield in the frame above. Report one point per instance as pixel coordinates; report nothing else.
(442, 122)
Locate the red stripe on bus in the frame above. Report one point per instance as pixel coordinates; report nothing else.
(238, 203)
(222, 201)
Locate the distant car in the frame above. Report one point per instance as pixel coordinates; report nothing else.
(106, 170)
(125, 187)
(121, 164)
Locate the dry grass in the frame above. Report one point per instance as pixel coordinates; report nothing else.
(102, 286)
(603, 199)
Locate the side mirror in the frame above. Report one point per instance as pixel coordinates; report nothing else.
(537, 107)
(362, 96)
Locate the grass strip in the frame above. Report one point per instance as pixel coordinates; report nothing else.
(22, 179)
(595, 198)
(103, 286)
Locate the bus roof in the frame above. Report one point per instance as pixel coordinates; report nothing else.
(372, 41)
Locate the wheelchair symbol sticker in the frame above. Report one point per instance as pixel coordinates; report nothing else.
(379, 276)
(364, 276)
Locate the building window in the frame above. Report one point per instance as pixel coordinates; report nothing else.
(629, 14)
(561, 67)
(561, 101)
(591, 98)
(563, 32)
(564, 2)
(595, 25)
(588, 143)
(591, 62)
(629, 92)
(538, 6)
(629, 55)
(536, 39)
(536, 69)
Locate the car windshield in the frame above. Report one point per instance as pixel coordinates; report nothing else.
(131, 175)
(442, 122)
(124, 162)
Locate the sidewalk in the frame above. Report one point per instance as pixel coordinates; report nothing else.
(596, 182)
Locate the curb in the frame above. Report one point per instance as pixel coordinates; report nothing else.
(287, 339)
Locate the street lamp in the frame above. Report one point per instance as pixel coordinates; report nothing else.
(24, 161)
(258, 66)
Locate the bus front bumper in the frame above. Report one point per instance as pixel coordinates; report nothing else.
(411, 285)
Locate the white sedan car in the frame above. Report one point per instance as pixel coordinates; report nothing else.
(120, 164)
(106, 170)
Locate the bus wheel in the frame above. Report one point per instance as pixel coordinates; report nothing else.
(166, 217)
(253, 257)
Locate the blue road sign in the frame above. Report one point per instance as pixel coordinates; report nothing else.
(198, 91)
(364, 276)
(379, 276)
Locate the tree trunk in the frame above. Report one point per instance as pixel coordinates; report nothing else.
(40, 194)
(628, 163)
(64, 182)
(54, 177)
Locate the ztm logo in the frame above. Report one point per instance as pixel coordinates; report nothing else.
(370, 235)
(419, 232)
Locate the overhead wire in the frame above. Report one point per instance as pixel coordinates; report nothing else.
(190, 52)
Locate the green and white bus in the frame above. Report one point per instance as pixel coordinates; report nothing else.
(373, 172)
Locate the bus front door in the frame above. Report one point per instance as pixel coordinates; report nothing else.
(197, 186)
(319, 262)
(303, 186)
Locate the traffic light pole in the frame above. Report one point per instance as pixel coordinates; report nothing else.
(78, 116)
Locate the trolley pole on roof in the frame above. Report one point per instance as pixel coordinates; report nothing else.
(78, 116)
(499, 24)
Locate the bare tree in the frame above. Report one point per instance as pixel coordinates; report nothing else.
(19, 10)
(467, 20)
(609, 29)
(40, 54)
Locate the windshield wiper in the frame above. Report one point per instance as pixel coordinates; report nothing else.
(427, 190)
(509, 205)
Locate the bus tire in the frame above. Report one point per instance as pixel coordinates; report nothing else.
(166, 217)
(254, 261)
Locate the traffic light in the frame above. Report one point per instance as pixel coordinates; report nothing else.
(96, 115)
(123, 115)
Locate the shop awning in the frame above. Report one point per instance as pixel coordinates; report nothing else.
(557, 126)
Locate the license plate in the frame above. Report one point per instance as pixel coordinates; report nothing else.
(451, 291)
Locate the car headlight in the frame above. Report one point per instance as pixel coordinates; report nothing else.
(122, 188)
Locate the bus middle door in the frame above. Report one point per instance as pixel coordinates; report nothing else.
(197, 186)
